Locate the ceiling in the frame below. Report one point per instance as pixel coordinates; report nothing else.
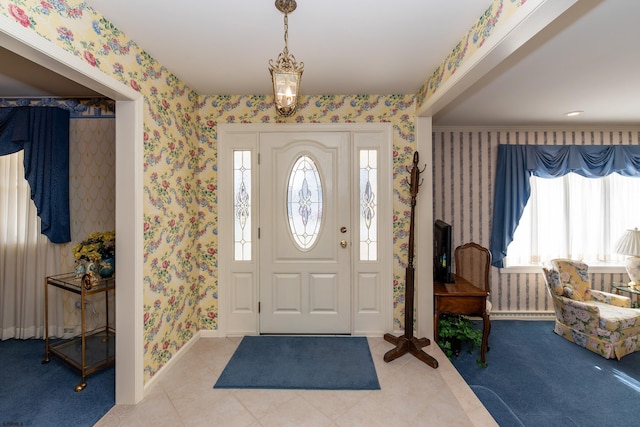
(587, 59)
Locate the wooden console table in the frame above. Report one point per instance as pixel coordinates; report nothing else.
(461, 297)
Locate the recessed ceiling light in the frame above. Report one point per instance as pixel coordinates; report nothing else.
(573, 113)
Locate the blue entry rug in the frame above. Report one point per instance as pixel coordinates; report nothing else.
(307, 363)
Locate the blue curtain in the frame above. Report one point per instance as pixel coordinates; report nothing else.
(516, 163)
(43, 134)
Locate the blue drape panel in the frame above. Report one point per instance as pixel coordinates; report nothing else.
(43, 133)
(516, 163)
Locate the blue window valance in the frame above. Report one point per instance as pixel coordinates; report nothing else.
(516, 164)
(43, 134)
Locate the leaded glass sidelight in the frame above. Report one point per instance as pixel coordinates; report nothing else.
(242, 205)
(304, 202)
(368, 207)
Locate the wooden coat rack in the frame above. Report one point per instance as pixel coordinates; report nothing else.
(407, 343)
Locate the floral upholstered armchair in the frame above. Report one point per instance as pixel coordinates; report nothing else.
(599, 321)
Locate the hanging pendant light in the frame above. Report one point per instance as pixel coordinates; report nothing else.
(285, 72)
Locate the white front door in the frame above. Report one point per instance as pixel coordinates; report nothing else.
(305, 228)
(277, 276)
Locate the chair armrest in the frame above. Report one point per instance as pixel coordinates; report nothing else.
(610, 298)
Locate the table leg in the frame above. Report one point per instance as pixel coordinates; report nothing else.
(46, 323)
(486, 327)
(436, 317)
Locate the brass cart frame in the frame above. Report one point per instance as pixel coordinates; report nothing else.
(92, 350)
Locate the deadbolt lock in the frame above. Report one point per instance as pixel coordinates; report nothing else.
(343, 230)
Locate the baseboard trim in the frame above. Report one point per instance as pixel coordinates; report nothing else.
(176, 357)
(370, 334)
(209, 333)
(523, 315)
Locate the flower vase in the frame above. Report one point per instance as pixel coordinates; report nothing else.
(107, 267)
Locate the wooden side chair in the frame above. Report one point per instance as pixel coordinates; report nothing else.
(472, 263)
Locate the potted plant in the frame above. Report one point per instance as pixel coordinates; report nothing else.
(455, 330)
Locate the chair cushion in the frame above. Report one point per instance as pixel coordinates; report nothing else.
(574, 279)
(617, 323)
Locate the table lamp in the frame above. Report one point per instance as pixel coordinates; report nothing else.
(629, 244)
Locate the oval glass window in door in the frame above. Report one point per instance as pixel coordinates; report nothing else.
(304, 202)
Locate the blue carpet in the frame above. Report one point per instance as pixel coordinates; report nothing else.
(536, 378)
(33, 394)
(499, 409)
(293, 362)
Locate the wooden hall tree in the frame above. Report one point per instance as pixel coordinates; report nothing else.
(407, 343)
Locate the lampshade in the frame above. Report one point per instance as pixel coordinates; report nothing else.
(629, 244)
(286, 73)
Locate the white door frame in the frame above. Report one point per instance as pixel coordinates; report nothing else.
(372, 281)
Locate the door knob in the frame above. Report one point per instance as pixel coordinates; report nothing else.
(343, 243)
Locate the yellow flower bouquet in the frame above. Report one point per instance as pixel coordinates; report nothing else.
(96, 252)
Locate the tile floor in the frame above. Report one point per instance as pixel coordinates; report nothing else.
(412, 394)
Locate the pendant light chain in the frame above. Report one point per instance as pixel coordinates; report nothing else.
(286, 33)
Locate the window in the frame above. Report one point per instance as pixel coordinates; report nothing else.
(27, 256)
(304, 202)
(368, 205)
(575, 217)
(242, 204)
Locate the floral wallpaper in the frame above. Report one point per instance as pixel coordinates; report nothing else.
(395, 109)
(173, 269)
(77, 107)
(498, 13)
(180, 170)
